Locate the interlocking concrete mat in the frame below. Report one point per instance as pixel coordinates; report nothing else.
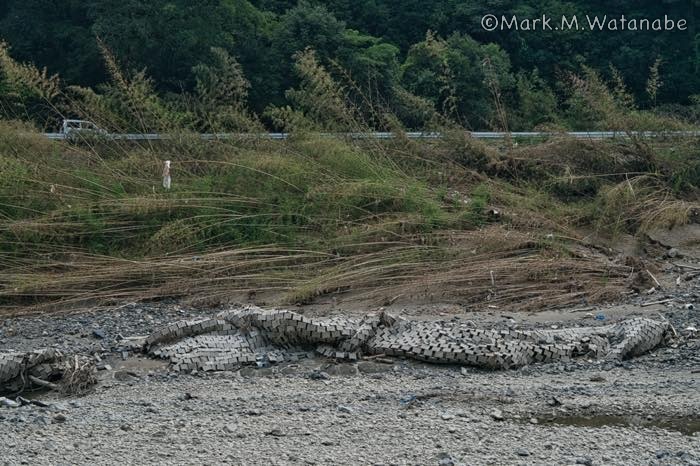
(255, 336)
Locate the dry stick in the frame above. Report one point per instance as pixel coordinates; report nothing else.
(675, 334)
(651, 303)
(654, 278)
(684, 266)
(43, 383)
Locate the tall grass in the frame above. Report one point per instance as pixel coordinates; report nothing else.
(457, 220)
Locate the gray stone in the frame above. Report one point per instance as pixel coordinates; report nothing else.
(8, 403)
(497, 415)
(275, 432)
(231, 428)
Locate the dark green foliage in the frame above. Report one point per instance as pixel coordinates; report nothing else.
(380, 45)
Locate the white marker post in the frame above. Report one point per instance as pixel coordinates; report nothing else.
(166, 175)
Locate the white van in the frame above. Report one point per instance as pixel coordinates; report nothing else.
(73, 128)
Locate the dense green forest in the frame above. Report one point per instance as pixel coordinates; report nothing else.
(389, 52)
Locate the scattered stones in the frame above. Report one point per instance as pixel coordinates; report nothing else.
(305, 410)
(522, 452)
(445, 459)
(497, 415)
(7, 403)
(319, 375)
(275, 432)
(554, 401)
(231, 428)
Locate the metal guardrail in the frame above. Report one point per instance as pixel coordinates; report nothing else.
(388, 135)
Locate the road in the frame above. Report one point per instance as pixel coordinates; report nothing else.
(594, 135)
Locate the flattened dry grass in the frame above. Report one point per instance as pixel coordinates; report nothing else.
(491, 266)
(308, 217)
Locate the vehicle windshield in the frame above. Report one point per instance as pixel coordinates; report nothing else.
(79, 125)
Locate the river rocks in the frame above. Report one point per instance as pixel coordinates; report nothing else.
(345, 409)
(7, 403)
(275, 432)
(419, 414)
(230, 428)
(497, 415)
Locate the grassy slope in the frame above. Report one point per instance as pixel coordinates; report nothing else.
(91, 224)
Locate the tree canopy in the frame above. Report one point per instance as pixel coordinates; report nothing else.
(435, 50)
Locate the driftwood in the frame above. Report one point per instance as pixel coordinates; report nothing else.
(46, 368)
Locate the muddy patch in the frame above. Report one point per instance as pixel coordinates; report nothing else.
(684, 425)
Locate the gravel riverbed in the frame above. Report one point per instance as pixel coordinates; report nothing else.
(317, 411)
(374, 414)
